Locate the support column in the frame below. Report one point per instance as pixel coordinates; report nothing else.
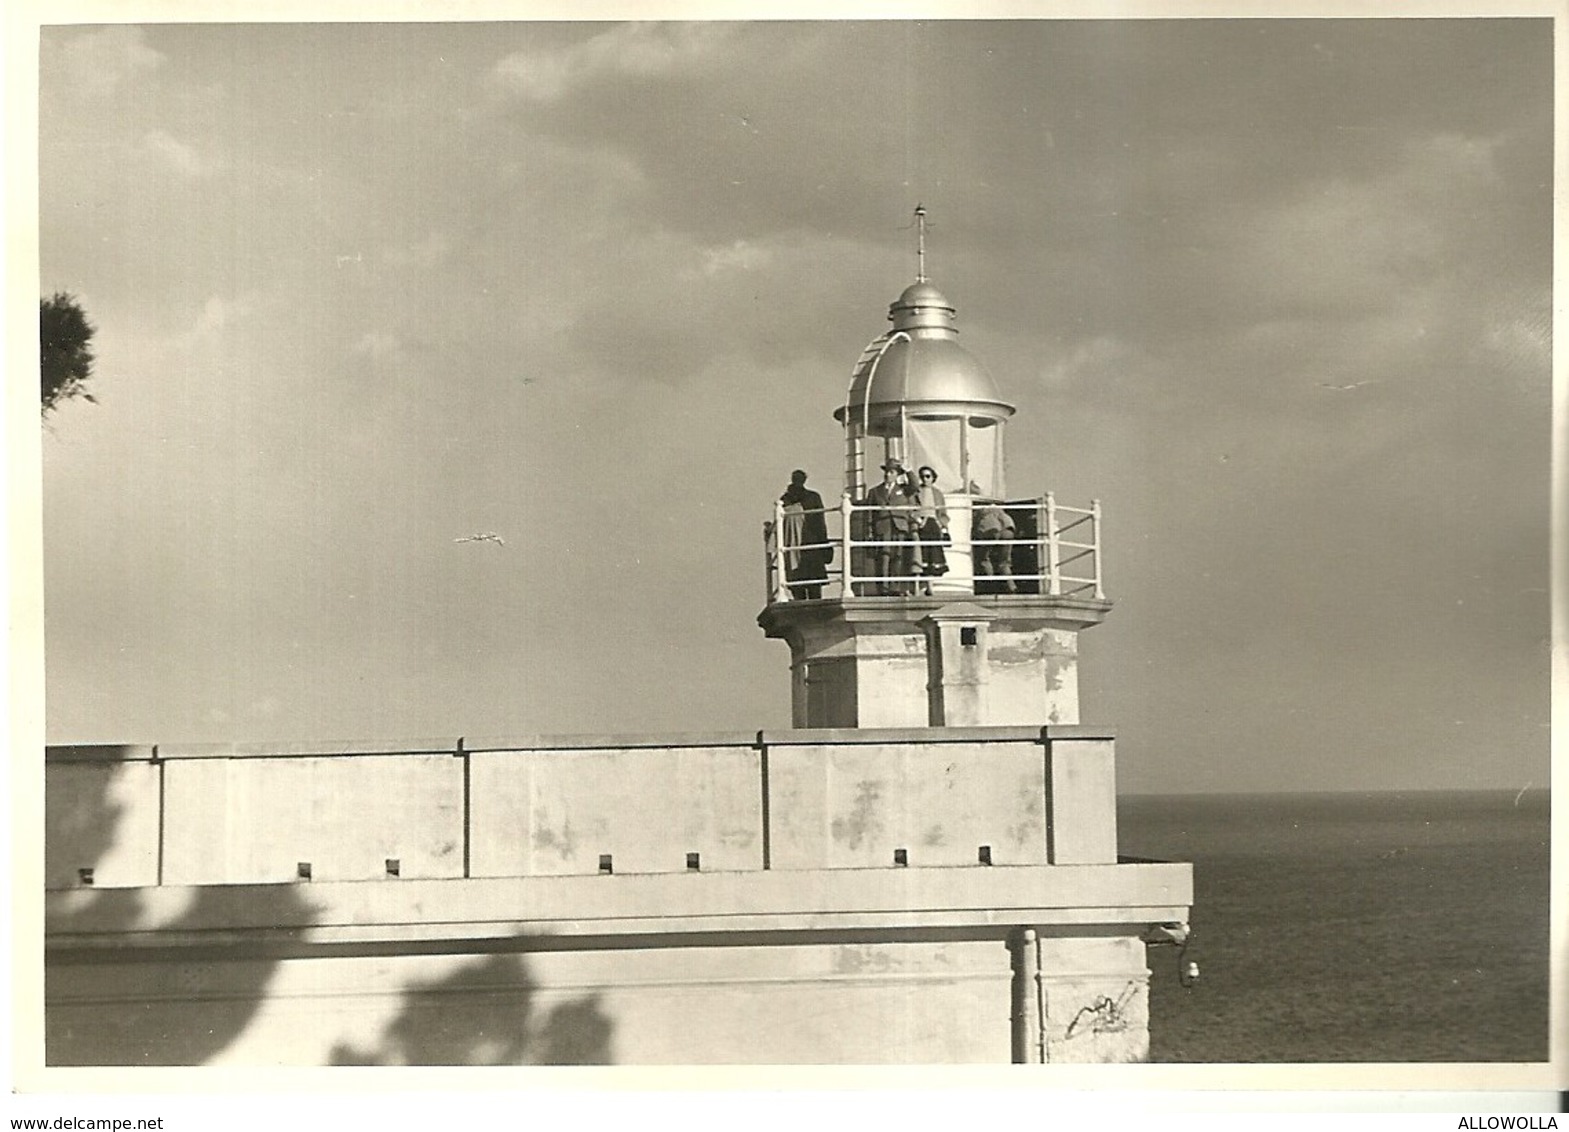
(957, 666)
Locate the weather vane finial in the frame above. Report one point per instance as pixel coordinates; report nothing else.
(920, 243)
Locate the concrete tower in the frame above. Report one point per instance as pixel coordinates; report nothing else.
(975, 650)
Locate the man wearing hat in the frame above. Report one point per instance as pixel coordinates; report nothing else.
(893, 524)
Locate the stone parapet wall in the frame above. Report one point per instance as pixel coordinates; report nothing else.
(142, 816)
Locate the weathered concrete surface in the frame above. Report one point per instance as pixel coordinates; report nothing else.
(840, 966)
(791, 934)
(839, 806)
(102, 816)
(1032, 675)
(804, 1004)
(1081, 787)
(806, 798)
(1096, 999)
(544, 812)
(905, 662)
(254, 820)
(613, 911)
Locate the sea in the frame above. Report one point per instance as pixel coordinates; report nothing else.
(1384, 927)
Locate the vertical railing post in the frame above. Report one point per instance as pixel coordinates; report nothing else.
(1100, 592)
(855, 459)
(968, 507)
(468, 808)
(1053, 551)
(780, 586)
(847, 574)
(768, 563)
(966, 476)
(163, 811)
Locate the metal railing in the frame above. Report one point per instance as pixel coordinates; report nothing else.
(1054, 549)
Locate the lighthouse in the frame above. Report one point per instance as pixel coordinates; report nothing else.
(884, 645)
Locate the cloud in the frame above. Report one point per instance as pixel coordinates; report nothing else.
(1455, 157)
(631, 318)
(182, 157)
(738, 256)
(268, 707)
(1355, 272)
(377, 344)
(1342, 249)
(217, 316)
(1351, 240)
(1519, 329)
(641, 50)
(422, 253)
(96, 62)
(1088, 360)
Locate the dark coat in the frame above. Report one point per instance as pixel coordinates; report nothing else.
(890, 523)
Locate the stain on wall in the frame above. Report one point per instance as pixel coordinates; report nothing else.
(864, 820)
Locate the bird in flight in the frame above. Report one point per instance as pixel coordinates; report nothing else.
(488, 536)
(1353, 385)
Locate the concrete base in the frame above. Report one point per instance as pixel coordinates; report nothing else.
(848, 1003)
(999, 660)
(850, 967)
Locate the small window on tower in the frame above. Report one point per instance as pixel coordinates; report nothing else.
(969, 636)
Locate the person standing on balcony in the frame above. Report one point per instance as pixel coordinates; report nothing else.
(893, 522)
(931, 519)
(807, 551)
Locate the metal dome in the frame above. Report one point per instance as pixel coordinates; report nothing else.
(916, 370)
(924, 292)
(920, 366)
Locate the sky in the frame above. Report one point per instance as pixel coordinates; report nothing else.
(1276, 292)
